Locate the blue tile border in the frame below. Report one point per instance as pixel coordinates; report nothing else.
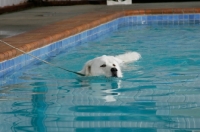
(91, 34)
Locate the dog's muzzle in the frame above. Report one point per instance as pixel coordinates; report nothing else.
(114, 72)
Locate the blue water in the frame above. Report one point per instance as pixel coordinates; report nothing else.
(158, 93)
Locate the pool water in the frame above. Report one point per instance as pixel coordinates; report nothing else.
(160, 92)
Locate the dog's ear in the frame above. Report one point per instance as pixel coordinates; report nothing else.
(87, 68)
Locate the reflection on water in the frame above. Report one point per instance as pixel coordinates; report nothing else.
(100, 104)
(159, 93)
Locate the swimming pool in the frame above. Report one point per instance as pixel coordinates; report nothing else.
(160, 92)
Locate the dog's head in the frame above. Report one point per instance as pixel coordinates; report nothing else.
(108, 66)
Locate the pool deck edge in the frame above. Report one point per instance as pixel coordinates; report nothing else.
(51, 33)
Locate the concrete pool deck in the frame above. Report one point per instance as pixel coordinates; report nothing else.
(34, 28)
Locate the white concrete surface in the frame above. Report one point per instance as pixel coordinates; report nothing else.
(4, 3)
(119, 2)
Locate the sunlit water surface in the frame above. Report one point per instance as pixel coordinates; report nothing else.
(160, 92)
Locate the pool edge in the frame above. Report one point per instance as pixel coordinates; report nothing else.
(41, 37)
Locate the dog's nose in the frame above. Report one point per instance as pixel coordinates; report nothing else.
(113, 69)
(114, 72)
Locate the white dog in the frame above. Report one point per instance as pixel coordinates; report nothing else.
(108, 66)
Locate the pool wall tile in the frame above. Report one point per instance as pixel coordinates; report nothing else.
(110, 23)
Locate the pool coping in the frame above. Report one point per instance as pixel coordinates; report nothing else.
(46, 35)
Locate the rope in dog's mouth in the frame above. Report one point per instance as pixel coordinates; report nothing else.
(41, 59)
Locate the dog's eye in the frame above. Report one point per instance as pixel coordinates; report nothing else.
(113, 64)
(104, 65)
